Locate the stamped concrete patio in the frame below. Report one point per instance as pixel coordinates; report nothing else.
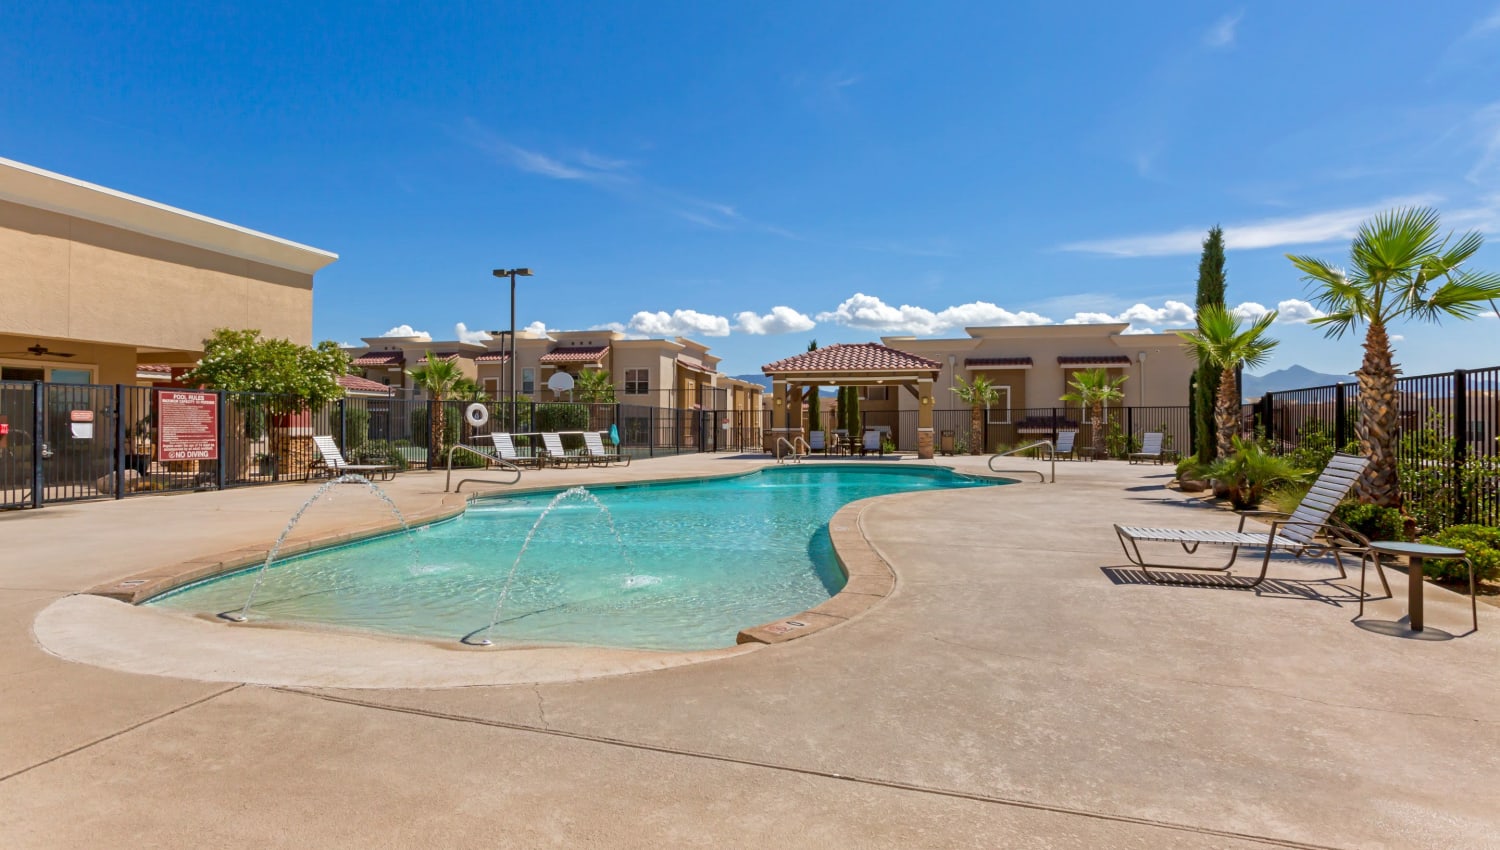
(1020, 687)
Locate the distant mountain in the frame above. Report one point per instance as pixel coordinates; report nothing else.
(765, 381)
(1290, 378)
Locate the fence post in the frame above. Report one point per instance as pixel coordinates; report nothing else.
(1460, 444)
(651, 431)
(38, 406)
(1267, 420)
(1129, 428)
(1340, 414)
(344, 427)
(221, 475)
(119, 441)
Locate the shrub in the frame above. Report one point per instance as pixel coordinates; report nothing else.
(562, 417)
(1481, 542)
(375, 451)
(356, 427)
(1287, 497)
(1119, 444)
(1373, 521)
(1250, 471)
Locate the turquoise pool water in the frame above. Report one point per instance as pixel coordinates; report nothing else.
(695, 562)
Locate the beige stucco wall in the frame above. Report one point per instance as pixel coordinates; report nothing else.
(66, 278)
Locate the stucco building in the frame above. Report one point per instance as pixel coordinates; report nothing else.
(95, 282)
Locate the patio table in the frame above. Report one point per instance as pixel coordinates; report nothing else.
(1416, 554)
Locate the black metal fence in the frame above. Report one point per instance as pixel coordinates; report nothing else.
(1448, 438)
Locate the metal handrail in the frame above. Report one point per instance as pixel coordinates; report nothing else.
(489, 459)
(1051, 453)
(792, 446)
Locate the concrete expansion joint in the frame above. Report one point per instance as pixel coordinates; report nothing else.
(814, 773)
(128, 729)
(541, 706)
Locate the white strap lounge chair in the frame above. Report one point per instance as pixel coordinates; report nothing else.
(505, 449)
(817, 441)
(1064, 445)
(334, 464)
(555, 454)
(1297, 533)
(872, 443)
(1151, 449)
(593, 443)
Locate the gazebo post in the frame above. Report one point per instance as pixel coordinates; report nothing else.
(924, 418)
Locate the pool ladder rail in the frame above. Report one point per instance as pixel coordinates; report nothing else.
(1051, 454)
(791, 446)
(490, 460)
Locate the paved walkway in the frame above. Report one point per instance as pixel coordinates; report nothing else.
(1020, 688)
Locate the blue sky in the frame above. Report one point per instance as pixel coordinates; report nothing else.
(758, 175)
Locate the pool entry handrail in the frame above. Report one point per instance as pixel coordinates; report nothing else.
(1051, 453)
(489, 458)
(791, 446)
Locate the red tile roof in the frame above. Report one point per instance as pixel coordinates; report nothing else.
(997, 362)
(493, 357)
(154, 368)
(859, 357)
(355, 383)
(577, 354)
(380, 358)
(1086, 360)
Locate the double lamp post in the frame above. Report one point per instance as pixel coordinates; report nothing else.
(511, 355)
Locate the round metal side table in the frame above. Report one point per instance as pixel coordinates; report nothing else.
(1416, 554)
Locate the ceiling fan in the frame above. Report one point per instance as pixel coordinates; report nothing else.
(37, 350)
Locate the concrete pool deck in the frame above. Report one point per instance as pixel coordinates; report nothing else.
(1020, 687)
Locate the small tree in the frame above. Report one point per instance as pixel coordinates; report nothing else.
(1400, 267)
(1211, 286)
(467, 389)
(1223, 344)
(1092, 389)
(289, 377)
(849, 409)
(439, 377)
(814, 400)
(593, 386)
(978, 394)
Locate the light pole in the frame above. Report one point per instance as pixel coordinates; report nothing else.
(512, 274)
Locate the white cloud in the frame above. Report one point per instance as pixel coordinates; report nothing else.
(407, 330)
(1222, 33)
(1171, 313)
(1136, 331)
(1485, 25)
(1249, 311)
(870, 313)
(1397, 338)
(1297, 310)
(1310, 229)
(462, 333)
(538, 327)
(678, 323)
(781, 320)
(1091, 319)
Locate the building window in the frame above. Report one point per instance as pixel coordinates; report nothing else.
(877, 393)
(637, 381)
(528, 381)
(999, 412)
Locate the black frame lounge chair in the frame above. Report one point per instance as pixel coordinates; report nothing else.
(332, 462)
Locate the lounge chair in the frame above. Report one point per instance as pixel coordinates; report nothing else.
(817, 441)
(333, 463)
(555, 455)
(1151, 449)
(593, 443)
(505, 449)
(1064, 445)
(872, 443)
(1297, 533)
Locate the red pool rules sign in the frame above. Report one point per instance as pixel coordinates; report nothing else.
(187, 425)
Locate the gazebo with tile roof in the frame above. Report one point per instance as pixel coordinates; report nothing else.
(860, 365)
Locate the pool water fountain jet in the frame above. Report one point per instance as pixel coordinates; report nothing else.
(478, 638)
(243, 614)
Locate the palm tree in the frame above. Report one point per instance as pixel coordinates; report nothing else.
(1400, 268)
(1221, 343)
(1093, 388)
(978, 394)
(594, 386)
(438, 378)
(467, 389)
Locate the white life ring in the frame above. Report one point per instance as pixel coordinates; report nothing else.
(477, 414)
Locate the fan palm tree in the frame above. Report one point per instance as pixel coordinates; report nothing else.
(1094, 388)
(1399, 268)
(438, 378)
(467, 389)
(1223, 343)
(978, 394)
(594, 386)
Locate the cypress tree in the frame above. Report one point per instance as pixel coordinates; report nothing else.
(1211, 286)
(814, 401)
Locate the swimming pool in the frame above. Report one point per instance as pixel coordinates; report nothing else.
(693, 564)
